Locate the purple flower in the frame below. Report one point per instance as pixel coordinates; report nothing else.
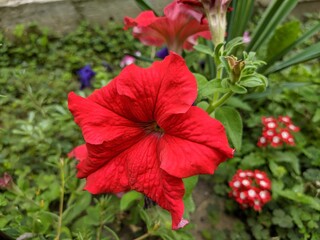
(162, 53)
(85, 75)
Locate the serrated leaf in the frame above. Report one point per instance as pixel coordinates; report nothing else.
(232, 122)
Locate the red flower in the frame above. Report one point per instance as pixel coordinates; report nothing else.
(277, 131)
(142, 133)
(250, 188)
(178, 28)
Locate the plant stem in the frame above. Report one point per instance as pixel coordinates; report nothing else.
(144, 236)
(61, 166)
(219, 102)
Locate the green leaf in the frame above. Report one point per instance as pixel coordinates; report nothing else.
(312, 174)
(239, 18)
(288, 157)
(316, 116)
(238, 89)
(283, 37)
(145, 5)
(232, 45)
(189, 184)
(203, 49)
(207, 88)
(276, 12)
(252, 161)
(251, 82)
(301, 198)
(128, 199)
(232, 121)
(73, 211)
(281, 219)
(277, 171)
(315, 29)
(238, 103)
(307, 54)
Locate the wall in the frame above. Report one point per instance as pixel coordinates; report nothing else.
(64, 15)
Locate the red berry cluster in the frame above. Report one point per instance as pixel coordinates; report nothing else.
(277, 131)
(250, 188)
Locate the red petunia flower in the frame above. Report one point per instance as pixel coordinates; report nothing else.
(142, 133)
(180, 26)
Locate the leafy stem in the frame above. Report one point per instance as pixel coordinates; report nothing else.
(62, 177)
(219, 102)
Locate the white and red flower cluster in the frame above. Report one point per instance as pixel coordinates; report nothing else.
(277, 131)
(250, 188)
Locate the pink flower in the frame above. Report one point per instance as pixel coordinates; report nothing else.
(128, 59)
(6, 181)
(179, 28)
(142, 133)
(250, 189)
(246, 37)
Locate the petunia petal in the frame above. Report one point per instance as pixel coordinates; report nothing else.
(98, 123)
(145, 176)
(111, 178)
(137, 168)
(80, 153)
(193, 143)
(101, 154)
(180, 21)
(146, 94)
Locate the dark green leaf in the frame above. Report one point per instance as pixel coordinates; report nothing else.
(232, 121)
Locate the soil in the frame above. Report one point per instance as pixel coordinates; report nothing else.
(204, 197)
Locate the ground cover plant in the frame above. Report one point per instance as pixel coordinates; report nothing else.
(266, 101)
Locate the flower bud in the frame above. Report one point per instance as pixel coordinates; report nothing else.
(236, 67)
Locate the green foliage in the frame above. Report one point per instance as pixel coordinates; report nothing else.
(283, 37)
(232, 121)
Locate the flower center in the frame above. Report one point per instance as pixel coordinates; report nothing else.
(153, 127)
